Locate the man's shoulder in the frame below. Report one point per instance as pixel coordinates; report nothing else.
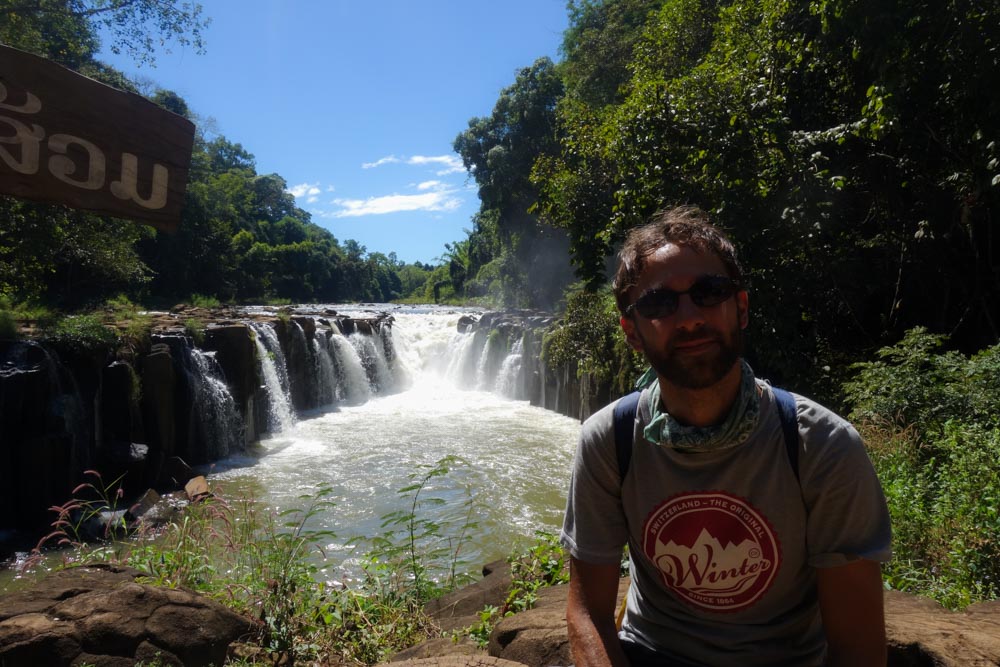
(810, 413)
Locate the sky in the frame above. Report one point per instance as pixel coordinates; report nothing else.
(356, 103)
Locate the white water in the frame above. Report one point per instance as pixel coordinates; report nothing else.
(272, 363)
(214, 414)
(509, 380)
(518, 456)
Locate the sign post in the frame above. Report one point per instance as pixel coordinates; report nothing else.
(68, 139)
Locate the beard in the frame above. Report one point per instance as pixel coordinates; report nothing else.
(698, 371)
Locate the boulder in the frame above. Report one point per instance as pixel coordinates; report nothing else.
(460, 608)
(99, 615)
(537, 637)
(920, 632)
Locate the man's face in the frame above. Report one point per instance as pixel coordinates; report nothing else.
(695, 347)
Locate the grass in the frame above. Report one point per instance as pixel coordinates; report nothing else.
(270, 566)
(203, 301)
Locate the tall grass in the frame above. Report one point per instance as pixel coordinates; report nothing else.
(932, 423)
(271, 566)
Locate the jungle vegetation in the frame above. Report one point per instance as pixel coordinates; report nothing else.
(850, 148)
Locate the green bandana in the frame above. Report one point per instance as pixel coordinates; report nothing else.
(734, 430)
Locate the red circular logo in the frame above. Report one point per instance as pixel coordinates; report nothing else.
(712, 549)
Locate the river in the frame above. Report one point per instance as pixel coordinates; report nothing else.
(516, 457)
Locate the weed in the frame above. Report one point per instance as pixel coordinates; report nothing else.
(929, 418)
(203, 301)
(195, 330)
(541, 564)
(80, 333)
(420, 546)
(93, 514)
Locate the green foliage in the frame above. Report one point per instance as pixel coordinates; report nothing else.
(195, 330)
(915, 383)
(80, 333)
(943, 499)
(428, 551)
(203, 301)
(589, 337)
(8, 326)
(930, 420)
(67, 32)
(783, 121)
(92, 514)
(499, 151)
(543, 563)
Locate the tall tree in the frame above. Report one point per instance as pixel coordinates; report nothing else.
(499, 151)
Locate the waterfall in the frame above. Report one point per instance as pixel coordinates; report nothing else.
(355, 380)
(510, 380)
(482, 365)
(272, 365)
(373, 359)
(213, 414)
(300, 359)
(325, 373)
(460, 347)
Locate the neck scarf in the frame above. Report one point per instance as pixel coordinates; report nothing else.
(734, 429)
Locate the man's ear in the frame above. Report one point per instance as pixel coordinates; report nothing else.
(631, 337)
(743, 308)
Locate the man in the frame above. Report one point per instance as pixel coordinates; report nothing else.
(736, 557)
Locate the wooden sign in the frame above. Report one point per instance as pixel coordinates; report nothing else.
(68, 139)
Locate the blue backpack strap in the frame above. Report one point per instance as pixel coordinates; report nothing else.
(789, 426)
(625, 410)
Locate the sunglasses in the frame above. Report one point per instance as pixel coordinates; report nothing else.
(705, 292)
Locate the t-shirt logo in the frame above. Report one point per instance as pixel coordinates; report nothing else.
(713, 549)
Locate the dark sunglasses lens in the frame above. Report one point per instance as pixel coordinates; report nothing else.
(711, 291)
(658, 303)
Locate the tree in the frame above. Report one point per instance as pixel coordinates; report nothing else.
(499, 151)
(66, 30)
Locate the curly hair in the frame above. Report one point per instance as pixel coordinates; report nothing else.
(683, 226)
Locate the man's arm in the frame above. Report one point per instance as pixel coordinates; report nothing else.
(590, 614)
(850, 600)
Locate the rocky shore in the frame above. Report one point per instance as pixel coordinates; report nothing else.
(101, 616)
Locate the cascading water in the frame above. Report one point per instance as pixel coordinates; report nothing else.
(213, 417)
(460, 347)
(355, 380)
(517, 456)
(373, 359)
(482, 366)
(510, 382)
(280, 416)
(325, 373)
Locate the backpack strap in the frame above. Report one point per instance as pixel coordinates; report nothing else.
(624, 414)
(789, 426)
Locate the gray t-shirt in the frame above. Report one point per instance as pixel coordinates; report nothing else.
(723, 544)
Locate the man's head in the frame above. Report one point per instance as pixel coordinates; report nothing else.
(682, 226)
(680, 290)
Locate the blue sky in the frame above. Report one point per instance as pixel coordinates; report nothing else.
(356, 103)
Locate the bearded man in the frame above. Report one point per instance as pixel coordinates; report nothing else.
(754, 519)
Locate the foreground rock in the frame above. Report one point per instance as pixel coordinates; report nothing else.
(921, 633)
(99, 615)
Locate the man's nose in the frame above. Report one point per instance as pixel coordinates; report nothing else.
(689, 315)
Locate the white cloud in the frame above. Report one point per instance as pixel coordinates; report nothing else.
(452, 164)
(311, 189)
(427, 185)
(388, 159)
(442, 200)
(312, 200)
